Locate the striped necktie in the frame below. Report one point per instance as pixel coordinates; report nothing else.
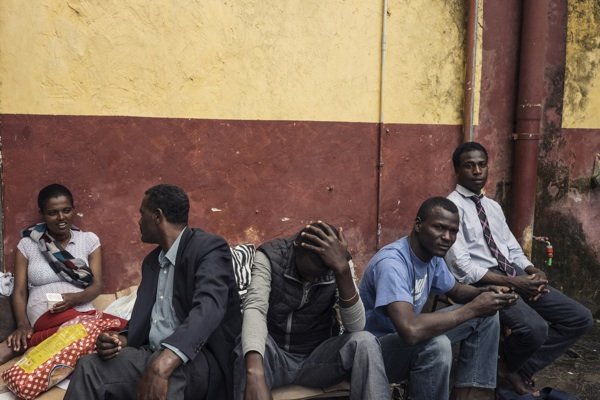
(503, 264)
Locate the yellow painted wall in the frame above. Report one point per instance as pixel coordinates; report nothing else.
(425, 69)
(582, 81)
(243, 59)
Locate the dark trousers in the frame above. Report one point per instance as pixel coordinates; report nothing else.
(118, 377)
(542, 330)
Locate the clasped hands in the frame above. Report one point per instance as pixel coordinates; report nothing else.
(531, 286)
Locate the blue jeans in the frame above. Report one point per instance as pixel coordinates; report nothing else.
(353, 356)
(427, 364)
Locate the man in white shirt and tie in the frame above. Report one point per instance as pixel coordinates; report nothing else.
(544, 322)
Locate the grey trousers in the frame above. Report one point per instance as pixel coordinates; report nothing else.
(118, 377)
(354, 356)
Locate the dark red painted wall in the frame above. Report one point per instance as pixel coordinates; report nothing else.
(266, 178)
(416, 165)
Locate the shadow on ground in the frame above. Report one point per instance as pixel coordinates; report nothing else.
(577, 372)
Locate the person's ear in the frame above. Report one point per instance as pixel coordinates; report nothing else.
(418, 224)
(159, 215)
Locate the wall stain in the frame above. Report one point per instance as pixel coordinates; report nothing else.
(558, 213)
(575, 270)
(459, 12)
(553, 109)
(583, 43)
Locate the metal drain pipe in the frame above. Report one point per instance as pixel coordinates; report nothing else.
(470, 72)
(528, 117)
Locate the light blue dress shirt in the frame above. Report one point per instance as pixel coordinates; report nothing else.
(164, 318)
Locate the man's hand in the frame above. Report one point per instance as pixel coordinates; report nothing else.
(153, 386)
(17, 340)
(332, 248)
(531, 286)
(492, 300)
(498, 289)
(531, 270)
(108, 344)
(538, 274)
(155, 381)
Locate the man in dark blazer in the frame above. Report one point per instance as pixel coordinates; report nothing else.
(180, 338)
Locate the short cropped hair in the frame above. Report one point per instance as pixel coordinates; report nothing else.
(433, 202)
(172, 200)
(51, 191)
(464, 148)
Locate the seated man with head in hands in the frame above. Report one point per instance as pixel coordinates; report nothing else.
(290, 333)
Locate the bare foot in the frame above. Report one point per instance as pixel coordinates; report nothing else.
(529, 381)
(519, 385)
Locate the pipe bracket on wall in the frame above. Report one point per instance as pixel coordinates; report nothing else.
(526, 136)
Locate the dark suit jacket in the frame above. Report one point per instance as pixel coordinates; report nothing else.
(205, 299)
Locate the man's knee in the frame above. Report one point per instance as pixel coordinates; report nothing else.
(491, 322)
(365, 340)
(87, 363)
(489, 326)
(359, 347)
(532, 333)
(438, 348)
(585, 320)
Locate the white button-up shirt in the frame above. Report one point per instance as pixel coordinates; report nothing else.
(470, 258)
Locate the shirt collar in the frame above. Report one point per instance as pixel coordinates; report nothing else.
(171, 254)
(464, 192)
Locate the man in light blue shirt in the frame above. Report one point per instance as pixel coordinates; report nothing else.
(415, 345)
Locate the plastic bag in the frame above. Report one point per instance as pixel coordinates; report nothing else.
(122, 307)
(7, 282)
